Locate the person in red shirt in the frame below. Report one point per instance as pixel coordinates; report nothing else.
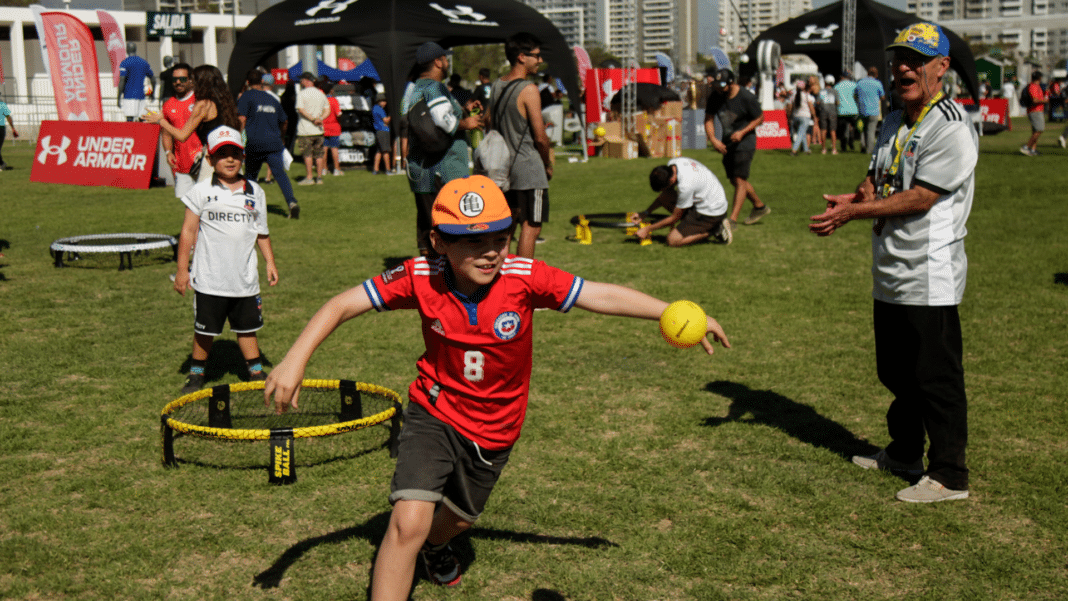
(181, 156)
(331, 129)
(1036, 114)
(468, 403)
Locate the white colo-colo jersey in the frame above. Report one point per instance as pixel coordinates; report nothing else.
(225, 261)
(698, 188)
(919, 259)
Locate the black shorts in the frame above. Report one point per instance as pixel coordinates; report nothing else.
(528, 205)
(737, 163)
(384, 142)
(693, 222)
(210, 312)
(437, 463)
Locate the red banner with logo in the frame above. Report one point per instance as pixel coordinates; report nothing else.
(602, 85)
(109, 28)
(773, 133)
(72, 65)
(992, 110)
(281, 76)
(95, 153)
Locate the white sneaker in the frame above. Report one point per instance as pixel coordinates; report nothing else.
(338, 172)
(882, 461)
(930, 491)
(1061, 141)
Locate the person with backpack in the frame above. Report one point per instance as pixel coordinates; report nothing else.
(1034, 99)
(437, 145)
(515, 112)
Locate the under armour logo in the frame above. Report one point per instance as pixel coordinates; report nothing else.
(59, 150)
(334, 5)
(458, 12)
(825, 32)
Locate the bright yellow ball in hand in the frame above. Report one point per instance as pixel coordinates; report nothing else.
(683, 324)
(600, 132)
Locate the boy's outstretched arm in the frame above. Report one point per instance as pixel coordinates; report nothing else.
(611, 299)
(284, 380)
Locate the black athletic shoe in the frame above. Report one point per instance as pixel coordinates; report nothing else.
(442, 567)
(294, 211)
(257, 376)
(193, 383)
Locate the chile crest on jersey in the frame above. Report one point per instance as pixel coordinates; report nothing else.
(507, 324)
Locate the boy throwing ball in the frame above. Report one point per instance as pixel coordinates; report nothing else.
(469, 400)
(226, 217)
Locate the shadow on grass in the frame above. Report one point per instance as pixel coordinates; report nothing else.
(265, 464)
(391, 262)
(225, 358)
(800, 421)
(276, 209)
(374, 529)
(1060, 278)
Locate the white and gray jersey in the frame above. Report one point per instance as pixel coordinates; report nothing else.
(225, 261)
(919, 259)
(698, 188)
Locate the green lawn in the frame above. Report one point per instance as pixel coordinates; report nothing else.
(644, 472)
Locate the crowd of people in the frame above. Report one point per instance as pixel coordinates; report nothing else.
(477, 299)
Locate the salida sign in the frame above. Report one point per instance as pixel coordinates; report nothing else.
(95, 153)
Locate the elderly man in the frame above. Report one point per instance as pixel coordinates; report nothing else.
(919, 192)
(312, 109)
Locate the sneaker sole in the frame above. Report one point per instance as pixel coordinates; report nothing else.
(958, 496)
(751, 220)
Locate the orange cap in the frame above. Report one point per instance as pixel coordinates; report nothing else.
(471, 205)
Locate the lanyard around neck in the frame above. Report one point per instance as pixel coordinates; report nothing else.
(899, 144)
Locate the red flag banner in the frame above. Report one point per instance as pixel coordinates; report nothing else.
(582, 61)
(991, 110)
(113, 40)
(773, 132)
(602, 85)
(72, 59)
(97, 153)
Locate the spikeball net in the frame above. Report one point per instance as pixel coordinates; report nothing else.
(94, 250)
(236, 413)
(621, 221)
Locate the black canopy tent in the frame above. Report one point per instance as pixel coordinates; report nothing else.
(390, 31)
(818, 34)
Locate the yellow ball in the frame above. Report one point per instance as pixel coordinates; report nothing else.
(683, 324)
(600, 132)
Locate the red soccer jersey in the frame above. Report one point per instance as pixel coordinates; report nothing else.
(177, 111)
(475, 373)
(331, 127)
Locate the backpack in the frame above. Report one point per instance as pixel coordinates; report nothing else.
(493, 157)
(1025, 97)
(427, 136)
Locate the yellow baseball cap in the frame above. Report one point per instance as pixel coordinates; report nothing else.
(471, 205)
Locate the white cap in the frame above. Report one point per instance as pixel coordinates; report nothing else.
(223, 135)
(829, 79)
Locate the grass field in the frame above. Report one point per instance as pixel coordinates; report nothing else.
(644, 472)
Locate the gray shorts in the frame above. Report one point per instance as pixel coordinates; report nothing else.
(1038, 121)
(437, 463)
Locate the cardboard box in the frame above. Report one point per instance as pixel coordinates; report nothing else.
(670, 110)
(619, 149)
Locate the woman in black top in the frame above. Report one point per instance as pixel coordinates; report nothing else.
(214, 107)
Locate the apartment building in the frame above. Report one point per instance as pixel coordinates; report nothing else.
(638, 28)
(1035, 28)
(741, 21)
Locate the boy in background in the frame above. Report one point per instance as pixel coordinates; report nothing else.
(468, 403)
(226, 217)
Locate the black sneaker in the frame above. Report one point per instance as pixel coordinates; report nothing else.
(193, 383)
(257, 376)
(294, 211)
(442, 567)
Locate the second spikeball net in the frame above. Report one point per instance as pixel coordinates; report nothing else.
(236, 413)
(584, 225)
